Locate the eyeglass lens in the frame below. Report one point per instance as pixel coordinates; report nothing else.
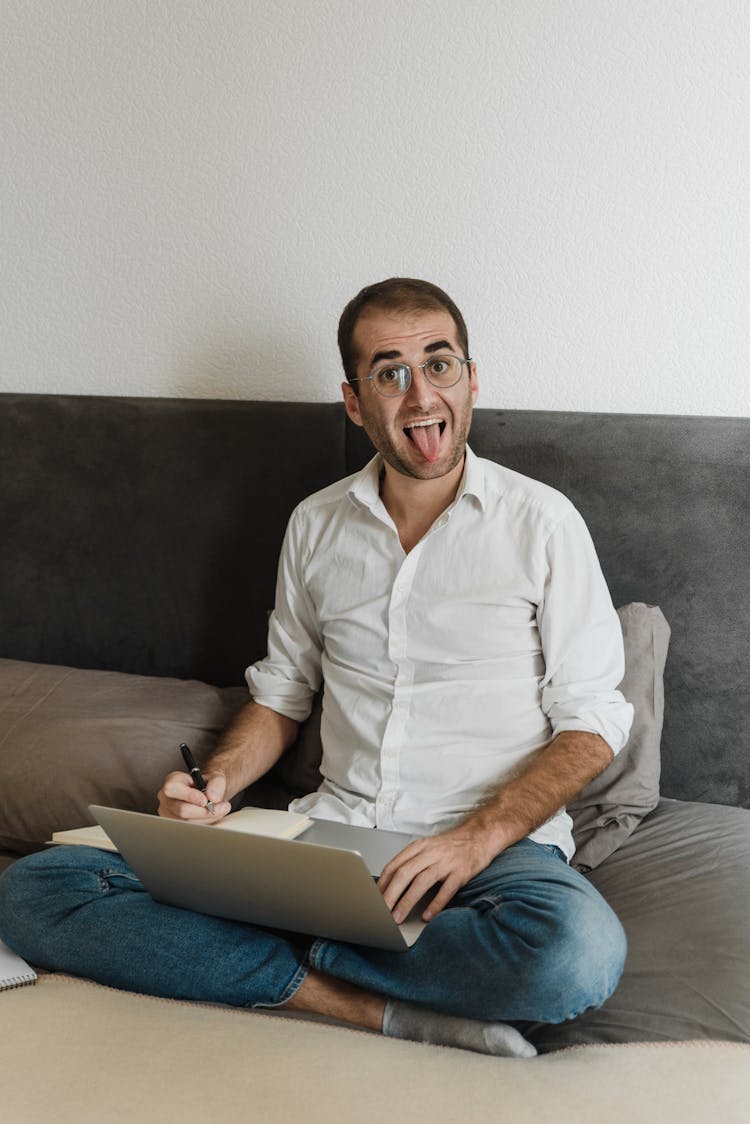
(442, 371)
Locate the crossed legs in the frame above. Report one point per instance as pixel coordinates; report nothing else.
(528, 939)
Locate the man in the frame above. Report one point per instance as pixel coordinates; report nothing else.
(457, 616)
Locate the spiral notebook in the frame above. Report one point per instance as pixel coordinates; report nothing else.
(14, 972)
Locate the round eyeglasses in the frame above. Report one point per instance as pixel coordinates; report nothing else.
(394, 379)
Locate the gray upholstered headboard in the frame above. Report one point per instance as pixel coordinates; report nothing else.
(142, 535)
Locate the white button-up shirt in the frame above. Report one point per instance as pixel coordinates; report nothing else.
(447, 667)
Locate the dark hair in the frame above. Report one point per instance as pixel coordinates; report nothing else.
(397, 294)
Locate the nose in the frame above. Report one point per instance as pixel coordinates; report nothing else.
(420, 391)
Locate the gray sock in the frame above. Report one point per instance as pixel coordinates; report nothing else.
(405, 1020)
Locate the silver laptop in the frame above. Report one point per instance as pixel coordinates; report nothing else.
(318, 883)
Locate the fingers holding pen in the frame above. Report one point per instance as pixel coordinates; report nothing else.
(181, 799)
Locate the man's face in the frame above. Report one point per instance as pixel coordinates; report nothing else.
(380, 337)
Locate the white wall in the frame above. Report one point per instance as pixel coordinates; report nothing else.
(194, 189)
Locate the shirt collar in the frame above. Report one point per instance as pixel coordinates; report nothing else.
(364, 488)
(474, 482)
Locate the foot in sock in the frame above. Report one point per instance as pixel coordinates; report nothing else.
(405, 1020)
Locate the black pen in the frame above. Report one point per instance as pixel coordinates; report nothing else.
(196, 774)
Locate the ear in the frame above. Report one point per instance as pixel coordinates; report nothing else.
(351, 402)
(474, 385)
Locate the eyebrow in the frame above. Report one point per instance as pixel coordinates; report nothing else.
(438, 345)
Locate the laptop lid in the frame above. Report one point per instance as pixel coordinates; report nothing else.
(375, 845)
(306, 887)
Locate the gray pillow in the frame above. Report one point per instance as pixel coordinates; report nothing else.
(681, 887)
(613, 805)
(70, 737)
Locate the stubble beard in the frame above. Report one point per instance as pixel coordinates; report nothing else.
(381, 439)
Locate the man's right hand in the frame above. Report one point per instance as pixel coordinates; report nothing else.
(180, 799)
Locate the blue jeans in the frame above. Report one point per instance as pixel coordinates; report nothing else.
(528, 939)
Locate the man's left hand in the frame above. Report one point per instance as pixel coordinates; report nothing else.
(450, 859)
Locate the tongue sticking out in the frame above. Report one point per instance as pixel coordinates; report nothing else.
(427, 440)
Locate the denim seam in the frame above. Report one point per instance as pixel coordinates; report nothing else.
(290, 990)
(315, 953)
(106, 873)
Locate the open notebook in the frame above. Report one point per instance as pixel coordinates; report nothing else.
(14, 972)
(255, 821)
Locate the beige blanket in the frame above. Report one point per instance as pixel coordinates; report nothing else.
(72, 1051)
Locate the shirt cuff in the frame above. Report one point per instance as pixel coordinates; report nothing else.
(286, 696)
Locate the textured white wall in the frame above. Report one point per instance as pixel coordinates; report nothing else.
(193, 190)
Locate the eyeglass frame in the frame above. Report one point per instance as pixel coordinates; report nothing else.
(410, 367)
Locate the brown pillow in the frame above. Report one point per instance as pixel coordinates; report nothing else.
(69, 738)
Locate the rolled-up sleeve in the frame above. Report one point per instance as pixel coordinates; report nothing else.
(581, 639)
(287, 679)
